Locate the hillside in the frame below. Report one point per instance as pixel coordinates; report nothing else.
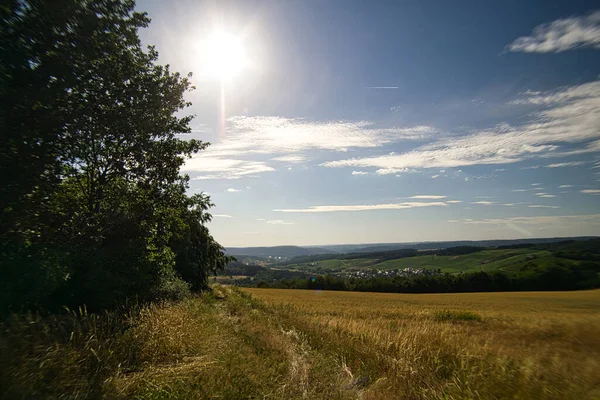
(306, 251)
(316, 345)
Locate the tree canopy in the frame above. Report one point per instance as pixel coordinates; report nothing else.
(94, 208)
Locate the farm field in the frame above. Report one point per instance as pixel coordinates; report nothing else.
(296, 344)
(486, 260)
(536, 345)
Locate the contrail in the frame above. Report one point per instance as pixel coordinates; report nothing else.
(383, 87)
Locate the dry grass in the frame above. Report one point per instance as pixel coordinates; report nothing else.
(313, 345)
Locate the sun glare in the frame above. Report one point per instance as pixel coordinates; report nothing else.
(223, 56)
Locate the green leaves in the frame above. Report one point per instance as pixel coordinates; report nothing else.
(90, 157)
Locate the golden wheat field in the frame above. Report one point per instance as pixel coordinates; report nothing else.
(233, 343)
(536, 345)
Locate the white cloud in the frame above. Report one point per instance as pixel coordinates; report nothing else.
(561, 35)
(483, 203)
(250, 136)
(565, 186)
(541, 206)
(292, 135)
(545, 195)
(428, 196)
(565, 164)
(530, 167)
(279, 222)
(454, 201)
(434, 176)
(565, 117)
(291, 158)
(541, 220)
(359, 173)
(535, 184)
(222, 216)
(452, 221)
(366, 207)
(591, 191)
(232, 190)
(217, 167)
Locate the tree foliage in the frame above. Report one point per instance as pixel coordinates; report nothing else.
(94, 209)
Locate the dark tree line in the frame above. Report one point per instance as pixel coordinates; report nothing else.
(93, 207)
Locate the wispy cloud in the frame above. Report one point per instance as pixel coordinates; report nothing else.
(565, 164)
(545, 195)
(434, 176)
(232, 190)
(279, 222)
(561, 35)
(591, 191)
(217, 167)
(541, 220)
(222, 216)
(287, 138)
(483, 203)
(359, 173)
(454, 201)
(565, 186)
(428, 196)
(542, 206)
(565, 117)
(364, 207)
(291, 158)
(452, 221)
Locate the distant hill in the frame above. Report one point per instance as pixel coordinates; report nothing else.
(277, 251)
(300, 251)
(378, 247)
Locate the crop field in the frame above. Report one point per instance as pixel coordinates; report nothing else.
(486, 260)
(534, 345)
(235, 343)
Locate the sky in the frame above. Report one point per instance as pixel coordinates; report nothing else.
(401, 121)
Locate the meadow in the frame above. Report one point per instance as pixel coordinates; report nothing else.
(270, 343)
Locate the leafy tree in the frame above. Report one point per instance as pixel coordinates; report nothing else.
(93, 207)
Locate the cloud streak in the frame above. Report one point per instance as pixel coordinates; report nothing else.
(561, 35)
(364, 207)
(428, 196)
(279, 222)
(540, 220)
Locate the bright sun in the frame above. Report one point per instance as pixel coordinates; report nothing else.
(223, 56)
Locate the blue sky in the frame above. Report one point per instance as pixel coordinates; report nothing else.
(400, 121)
